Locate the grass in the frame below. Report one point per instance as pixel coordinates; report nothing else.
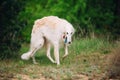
(85, 60)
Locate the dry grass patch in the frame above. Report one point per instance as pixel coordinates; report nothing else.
(114, 64)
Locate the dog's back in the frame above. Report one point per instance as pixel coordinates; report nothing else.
(51, 21)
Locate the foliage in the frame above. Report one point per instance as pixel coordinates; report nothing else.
(10, 27)
(87, 16)
(102, 14)
(37, 9)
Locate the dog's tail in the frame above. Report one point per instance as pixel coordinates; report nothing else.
(26, 56)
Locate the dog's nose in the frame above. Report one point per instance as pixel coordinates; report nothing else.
(69, 42)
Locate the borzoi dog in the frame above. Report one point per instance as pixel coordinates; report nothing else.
(49, 31)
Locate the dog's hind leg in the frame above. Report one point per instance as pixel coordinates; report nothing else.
(48, 46)
(34, 46)
(32, 56)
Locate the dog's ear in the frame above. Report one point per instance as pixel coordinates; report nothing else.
(64, 35)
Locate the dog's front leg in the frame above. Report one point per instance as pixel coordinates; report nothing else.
(66, 51)
(34, 61)
(56, 53)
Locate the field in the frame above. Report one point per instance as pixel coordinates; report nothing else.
(87, 60)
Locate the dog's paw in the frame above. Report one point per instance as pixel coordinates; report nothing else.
(64, 56)
(25, 57)
(35, 63)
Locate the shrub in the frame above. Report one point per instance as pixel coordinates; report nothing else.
(10, 27)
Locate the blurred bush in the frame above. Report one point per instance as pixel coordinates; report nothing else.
(90, 17)
(10, 27)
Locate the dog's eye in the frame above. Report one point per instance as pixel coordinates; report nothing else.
(71, 33)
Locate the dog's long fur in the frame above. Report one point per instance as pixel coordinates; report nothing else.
(49, 31)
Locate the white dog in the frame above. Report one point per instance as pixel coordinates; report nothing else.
(46, 31)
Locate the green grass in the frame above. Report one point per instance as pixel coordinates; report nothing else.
(86, 56)
(86, 45)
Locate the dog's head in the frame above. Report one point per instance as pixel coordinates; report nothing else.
(67, 35)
